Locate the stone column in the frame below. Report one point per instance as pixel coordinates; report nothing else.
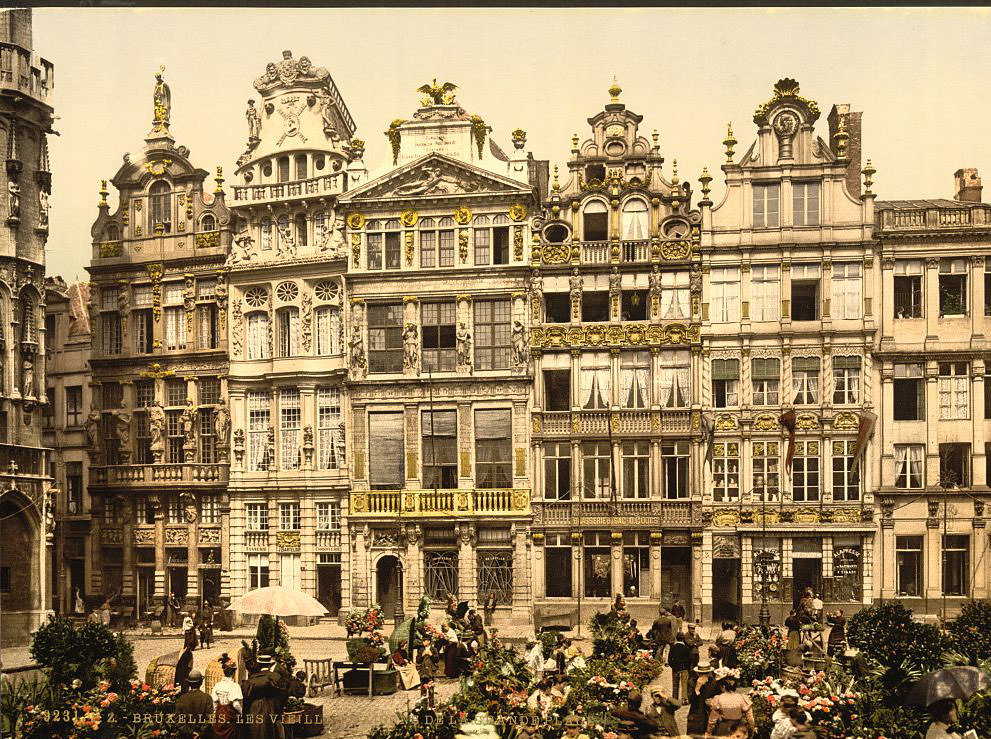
(979, 434)
(887, 288)
(128, 584)
(932, 557)
(617, 562)
(785, 294)
(577, 580)
(467, 580)
(411, 422)
(931, 369)
(193, 565)
(887, 556)
(466, 473)
(931, 310)
(704, 589)
(539, 583)
(978, 321)
(160, 587)
(867, 569)
(656, 551)
(523, 595)
(698, 572)
(225, 546)
(746, 573)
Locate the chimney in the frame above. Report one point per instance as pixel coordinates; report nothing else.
(853, 146)
(968, 185)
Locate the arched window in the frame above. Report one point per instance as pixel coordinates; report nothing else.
(283, 169)
(257, 335)
(301, 166)
(209, 223)
(301, 235)
(28, 326)
(595, 221)
(328, 330)
(160, 206)
(556, 233)
(113, 233)
(266, 233)
(635, 222)
(288, 322)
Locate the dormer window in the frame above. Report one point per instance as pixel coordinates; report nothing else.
(595, 221)
(301, 167)
(283, 169)
(209, 223)
(113, 233)
(159, 206)
(595, 172)
(635, 222)
(766, 209)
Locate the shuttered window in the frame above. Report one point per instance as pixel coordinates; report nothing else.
(386, 466)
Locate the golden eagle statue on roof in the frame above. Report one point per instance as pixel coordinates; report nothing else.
(438, 94)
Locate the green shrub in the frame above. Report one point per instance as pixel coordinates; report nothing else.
(887, 634)
(90, 653)
(971, 631)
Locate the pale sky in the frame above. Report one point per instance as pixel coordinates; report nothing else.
(919, 76)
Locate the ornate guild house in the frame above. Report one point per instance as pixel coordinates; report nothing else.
(158, 426)
(615, 296)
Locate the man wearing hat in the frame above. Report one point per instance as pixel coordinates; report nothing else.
(265, 692)
(194, 709)
(662, 709)
(573, 728)
(704, 689)
(694, 642)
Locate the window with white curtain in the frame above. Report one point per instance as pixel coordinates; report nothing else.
(725, 383)
(805, 203)
(328, 516)
(557, 471)
(765, 292)
(846, 380)
(954, 391)
(725, 471)
(766, 205)
(674, 379)
(675, 295)
(257, 516)
(288, 319)
(596, 469)
(289, 516)
(175, 328)
(596, 381)
(259, 420)
(634, 380)
(766, 377)
(635, 222)
(493, 448)
(257, 335)
(765, 465)
(724, 295)
(266, 227)
(331, 432)
(327, 319)
(636, 469)
(257, 571)
(847, 290)
(909, 460)
(846, 477)
(805, 380)
(290, 428)
(290, 574)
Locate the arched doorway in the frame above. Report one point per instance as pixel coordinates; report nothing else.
(20, 568)
(388, 588)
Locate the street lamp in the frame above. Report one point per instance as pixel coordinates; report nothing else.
(398, 612)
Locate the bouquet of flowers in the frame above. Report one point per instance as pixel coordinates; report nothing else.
(757, 654)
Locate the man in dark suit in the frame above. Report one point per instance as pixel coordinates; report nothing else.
(194, 709)
(183, 668)
(265, 693)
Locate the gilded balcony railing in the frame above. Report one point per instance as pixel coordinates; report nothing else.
(619, 512)
(587, 422)
(439, 503)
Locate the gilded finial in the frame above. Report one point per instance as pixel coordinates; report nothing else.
(674, 172)
(103, 193)
(868, 172)
(574, 141)
(555, 186)
(729, 142)
(614, 91)
(654, 136)
(220, 181)
(841, 137)
(705, 178)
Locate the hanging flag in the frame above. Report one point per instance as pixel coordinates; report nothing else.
(708, 437)
(865, 430)
(787, 419)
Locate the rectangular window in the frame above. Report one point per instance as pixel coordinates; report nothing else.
(674, 468)
(482, 246)
(766, 376)
(767, 471)
(724, 295)
(500, 243)
(393, 251)
(111, 331)
(726, 472)
(596, 469)
(908, 566)
(636, 469)
(207, 439)
(952, 287)
(209, 509)
(74, 487)
(142, 296)
(257, 516)
(596, 381)
(144, 331)
(175, 328)
(259, 422)
(805, 380)
(495, 575)
(48, 410)
(675, 295)
(328, 330)
(674, 379)
(440, 449)
(385, 338)
(846, 380)
(288, 325)
(956, 564)
(805, 203)
(766, 199)
(557, 390)
(257, 571)
(290, 429)
(492, 335)
(558, 557)
(445, 248)
(954, 465)
(208, 389)
(289, 516)
(144, 393)
(328, 516)
(909, 466)
(557, 307)
(598, 564)
(634, 379)
(805, 472)
(207, 333)
(330, 428)
(725, 383)
(493, 448)
(557, 471)
(954, 391)
(909, 393)
(847, 291)
(428, 248)
(386, 451)
(595, 306)
(374, 244)
(259, 341)
(636, 564)
(805, 292)
(439, 336)
(765, 292)
(441, 574)
(846, 478)
(73, 405)
(633, 305)
(908, 288)
(173, 511)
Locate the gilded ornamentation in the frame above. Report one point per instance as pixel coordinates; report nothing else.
(155, 273)
(287, 541)
(520, 461)
(463, 245)
(356, 221)
(409, 218)
(517, 211)
(462, 215)
(846, 421)
(726, 422)
(806, 422)
(671, 250)
(518, 243)
(725, 518)
(478, 131)
(408, 244)
(434, 94)
(536, 423)
(637, 334)
(765, 422)
(806, 515)
(208, 240)
(395, 138)
(556, 254)
(158, 167)
(786, 91)
(110, 249)
(355, 249)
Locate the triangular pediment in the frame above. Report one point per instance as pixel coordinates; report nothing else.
(435, 175)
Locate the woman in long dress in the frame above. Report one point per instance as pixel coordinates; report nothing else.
(228, 701)
(728, 708)
(407, 671)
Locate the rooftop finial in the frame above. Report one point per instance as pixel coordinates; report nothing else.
(868, 172)
(555, 186)
(729, 142)
(162, 103)
(705, 178)
(220, 181)
(103, 193)
(614, 91)
(674, 172)
(437, 94)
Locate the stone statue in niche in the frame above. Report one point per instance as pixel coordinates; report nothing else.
(189, 507)
(287, 244)
(222, 428)
(521, 353)
(13, 201)
(242, 247)
(92, 427)
(187, 423)
(575, 283)
(27, 375)
(654, 281)
(122, 429)
(536, 286)
(327, 116)
(156, 429)
(411, 347)
(356, 350)
(254, 122)
(464, 345)
(333, 239)
(43, 209)
(615, 281)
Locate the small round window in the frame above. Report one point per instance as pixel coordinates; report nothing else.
(256, 297)
(287, 291)
(555, 233)
(267, 169)
(326, 290)
(319, 162)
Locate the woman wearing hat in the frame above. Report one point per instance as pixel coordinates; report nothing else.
(703, 690)
(729, 707)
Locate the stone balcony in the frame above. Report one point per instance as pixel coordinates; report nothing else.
(128, 475)
(622, 422)
(933, 217)
(642, 251)
(21, 70)
(314, 186)
(440, 503)
(585, 513)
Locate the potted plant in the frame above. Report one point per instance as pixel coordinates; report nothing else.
(358, 623)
